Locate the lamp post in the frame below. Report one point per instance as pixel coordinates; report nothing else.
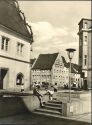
(70, 53)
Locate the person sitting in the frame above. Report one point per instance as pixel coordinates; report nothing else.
(50, 92)
(38, 94)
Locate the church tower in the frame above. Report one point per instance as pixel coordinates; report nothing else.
(84, 26)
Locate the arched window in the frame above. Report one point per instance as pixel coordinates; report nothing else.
(20, 79)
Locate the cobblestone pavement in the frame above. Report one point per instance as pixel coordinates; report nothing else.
(33, 119)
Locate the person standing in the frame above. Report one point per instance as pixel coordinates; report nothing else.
(55, 87)
(22, 87)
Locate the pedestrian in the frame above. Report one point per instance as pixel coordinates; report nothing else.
(55, 87)
(22, 87)
(38, 94)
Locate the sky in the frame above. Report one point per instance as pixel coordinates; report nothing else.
(55, 25)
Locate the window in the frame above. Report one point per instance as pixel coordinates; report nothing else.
(19, 79)
(85, 25)
(20, 48)
(6, 47)
(85, 60)
(18, 45)
(85, 40)
(4, 43)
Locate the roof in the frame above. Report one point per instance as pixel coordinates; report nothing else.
(84, 19)
(45, 61)
(64, 61)
(13, 19)
(32, 61)
(74, 68)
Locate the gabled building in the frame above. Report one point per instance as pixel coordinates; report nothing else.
(15, 40)
(42, 68)
(53, 68)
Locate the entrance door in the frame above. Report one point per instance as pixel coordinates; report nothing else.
(85, 85)
(3, 73)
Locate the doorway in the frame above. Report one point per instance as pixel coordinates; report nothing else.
(3, 77)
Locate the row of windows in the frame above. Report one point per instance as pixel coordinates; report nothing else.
(38, 71)
(59, 71)
(41, 75)
(61, 77)
(5, 45)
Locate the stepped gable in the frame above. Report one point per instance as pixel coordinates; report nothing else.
(13, 19)
(45, 61)
(64, 61)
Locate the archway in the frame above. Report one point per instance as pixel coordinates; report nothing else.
(20, 79)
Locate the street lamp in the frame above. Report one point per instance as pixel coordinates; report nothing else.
(70, 53)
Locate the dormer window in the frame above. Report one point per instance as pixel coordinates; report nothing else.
(4, 43)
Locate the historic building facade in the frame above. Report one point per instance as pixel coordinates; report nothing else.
(84, 45)
(15, 42)
(89, 78)
(53, 68)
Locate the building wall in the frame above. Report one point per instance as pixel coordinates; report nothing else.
(17, 62)
(60, 74)
(40, 76)
(89, 79)
(83, 43)
(16, 105)
(11, 106)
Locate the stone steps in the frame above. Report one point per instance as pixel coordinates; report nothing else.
(53, 104)
(49, 114)
(55, 101)
(51, 108)
(47, 111)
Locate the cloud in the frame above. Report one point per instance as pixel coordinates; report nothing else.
(50, 39)
(45, 31)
